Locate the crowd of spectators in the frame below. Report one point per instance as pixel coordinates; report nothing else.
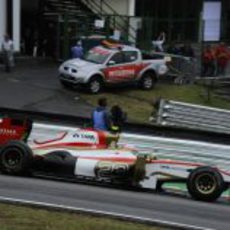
(215, 60)
(103, 119)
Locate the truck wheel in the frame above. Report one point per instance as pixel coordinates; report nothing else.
(66, 84)
(147, 81)
(95, 85)
(15, 158)
(205, 184)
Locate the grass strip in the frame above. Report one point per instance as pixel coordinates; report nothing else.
(14, 217)
(138, 103)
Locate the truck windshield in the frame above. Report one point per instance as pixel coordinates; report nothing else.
(97, 55)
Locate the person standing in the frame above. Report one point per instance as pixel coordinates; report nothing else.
(8, 53)
(208, 62)
(222, 56)
(77, 50)
(100, 116)
(158, 44)
(118, 118)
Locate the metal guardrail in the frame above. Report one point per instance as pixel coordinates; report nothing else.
(161, 147)
(178, 114)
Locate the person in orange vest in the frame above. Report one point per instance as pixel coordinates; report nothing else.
(222, 56)
(208, 61)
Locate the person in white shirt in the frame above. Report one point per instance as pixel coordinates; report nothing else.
(158, 44)
(8, 53)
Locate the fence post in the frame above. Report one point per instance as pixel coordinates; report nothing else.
(209, 87)
(107, 26)
(126, 34)
(66, 37)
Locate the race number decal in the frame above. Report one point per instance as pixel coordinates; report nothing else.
(111, 169)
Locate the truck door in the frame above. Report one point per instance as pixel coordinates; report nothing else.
(121, 67)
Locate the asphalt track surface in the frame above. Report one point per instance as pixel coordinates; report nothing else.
(163, 207)
(34, 86)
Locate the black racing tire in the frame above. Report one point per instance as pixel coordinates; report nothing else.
(15, 158)
(205, 184)
(95, 85)
(65, 84)
(148, 81)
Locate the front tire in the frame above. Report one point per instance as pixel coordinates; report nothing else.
(205, 184)
(95, 85)
(66, 85)
(15, 158)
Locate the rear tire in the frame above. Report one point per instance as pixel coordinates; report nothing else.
(95, 85)
(15, 158)
(147, 81)
(205, 184)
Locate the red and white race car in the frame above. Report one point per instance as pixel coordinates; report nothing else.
(90, 155)
(113, 64)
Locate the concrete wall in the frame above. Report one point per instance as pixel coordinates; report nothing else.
(2, 19)
(16, 22)
(122, 7)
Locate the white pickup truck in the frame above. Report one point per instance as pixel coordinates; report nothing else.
(104, 65)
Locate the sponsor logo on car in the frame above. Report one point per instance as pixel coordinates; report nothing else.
(8, 132)
(121, 73)
(85, 137)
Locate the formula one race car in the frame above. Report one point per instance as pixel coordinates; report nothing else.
(86, 154)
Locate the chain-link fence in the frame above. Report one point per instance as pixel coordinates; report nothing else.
(183, 69)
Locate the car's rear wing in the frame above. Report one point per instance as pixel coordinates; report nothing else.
(14, 129)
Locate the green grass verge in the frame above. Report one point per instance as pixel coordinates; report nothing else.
(14, 217)
(137, 103)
